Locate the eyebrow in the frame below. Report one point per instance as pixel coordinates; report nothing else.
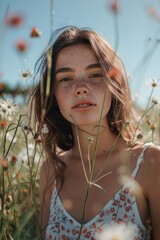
(94, 65)
(68, 69)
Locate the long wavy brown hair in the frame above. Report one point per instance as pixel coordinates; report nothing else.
(46, 110)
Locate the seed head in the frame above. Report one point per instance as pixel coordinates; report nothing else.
(90, 139)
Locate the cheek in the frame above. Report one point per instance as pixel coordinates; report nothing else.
(61, 94)
(97, 87)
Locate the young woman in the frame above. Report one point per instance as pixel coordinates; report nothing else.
(96, 172)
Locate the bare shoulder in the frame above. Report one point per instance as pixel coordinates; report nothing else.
(45, 188)
(152, 170)
(149, 171)
(152, 157)
(46, 180)
(153, 151)
(46, 172)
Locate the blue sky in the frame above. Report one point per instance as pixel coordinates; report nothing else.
(138, 35)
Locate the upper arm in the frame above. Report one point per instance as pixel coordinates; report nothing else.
(154, 189)
(46, 189)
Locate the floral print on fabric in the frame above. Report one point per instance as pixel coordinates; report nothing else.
(120, 209)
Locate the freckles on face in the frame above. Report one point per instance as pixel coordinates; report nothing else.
(79, 76)
(77, 66)
(93, 85)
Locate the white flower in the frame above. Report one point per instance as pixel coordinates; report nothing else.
(26, 73)
(119, 232)
(156, 101)
(153, 83)
(10, 138)
(23, 155)
(44, 129)
(31, 147)
(7, 107)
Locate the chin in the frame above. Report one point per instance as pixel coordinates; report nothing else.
(86, 122)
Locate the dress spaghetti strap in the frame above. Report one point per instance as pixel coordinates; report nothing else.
(140, 159)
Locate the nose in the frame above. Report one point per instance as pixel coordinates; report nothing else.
(81, 91)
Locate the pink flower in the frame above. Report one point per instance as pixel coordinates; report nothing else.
(113, 73)
(13, 159)
(93, 225)
(71, 221)
(84, 231)
(74, 231)
(21, 46)
(115, 203)
(63, 228)
(14, 20)
(57, 224)
(112, 209)
(102, 214)
(1, 86)
(126, 190)
(127, 209)
(123, 198)
(88, 235)
(35, 33)
(152, 11)
(125, 216)
(114, 6)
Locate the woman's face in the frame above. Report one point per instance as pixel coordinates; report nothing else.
(79, 86)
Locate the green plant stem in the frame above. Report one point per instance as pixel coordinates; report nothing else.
(16, 129)
(32, 183)
(52, 15)
(2, 200)
(84, 210)
(48, 85)
(5, 136)
(89, 162)
(153, 135)
(92, 164)
(38, 166)
(140, 120)
(150, 98)
(8, 188)
(98, 134)
(97, 178)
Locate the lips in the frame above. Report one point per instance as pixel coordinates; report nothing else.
(83, 104)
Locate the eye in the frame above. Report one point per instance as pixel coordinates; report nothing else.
(66, 79)
(96, 75)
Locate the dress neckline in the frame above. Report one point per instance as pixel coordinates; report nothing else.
(113, 198)
(106, 206)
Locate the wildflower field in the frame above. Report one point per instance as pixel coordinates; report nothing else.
(21, 153)
(19, 160)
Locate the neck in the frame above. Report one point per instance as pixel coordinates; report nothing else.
(93, 140)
